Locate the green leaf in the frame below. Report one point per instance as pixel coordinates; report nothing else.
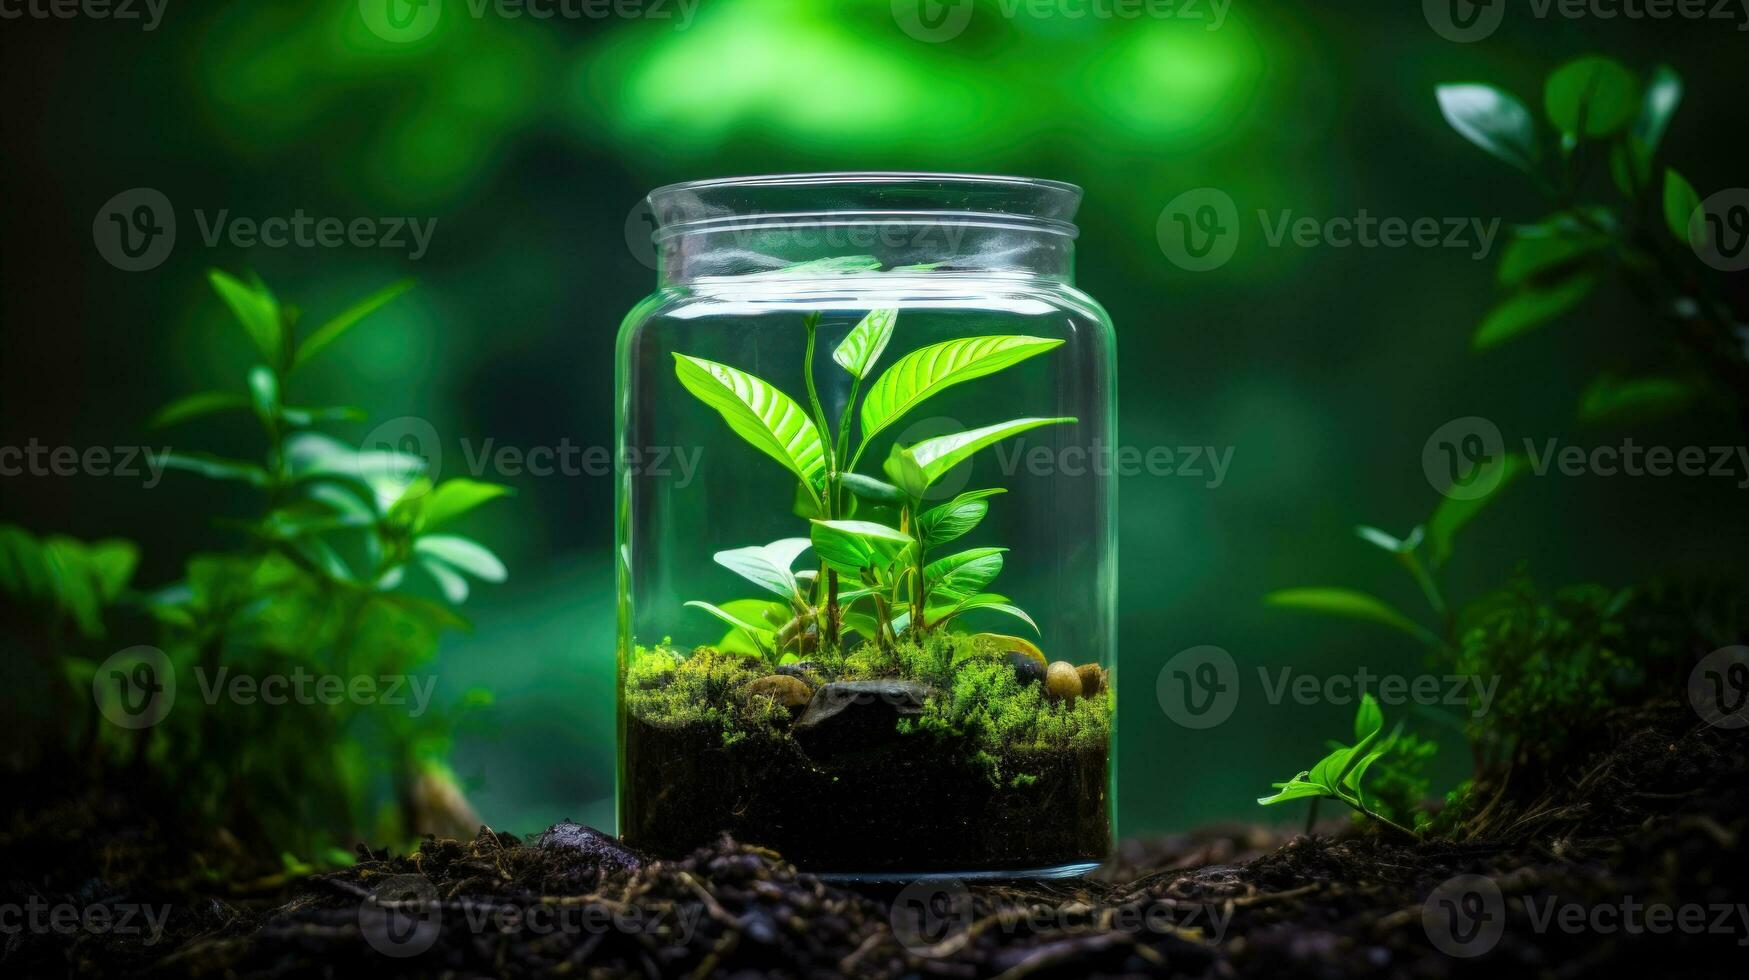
(759, 413)
(862, 347)
(907, 473)
(1663, 95)
(197, 405)
(264, 393)
(1531, 308)
(1297, 789)
(755, 611)
(258, 312)
(216, 467)
(455, 588)
(851, 546)
(1493, 120)
(963, 574)
(760, 636)
(928, 370)
(872, 490)
(807, 504)
(1368, 718)
(310, 416)
(767, 566)
(1388, 542)
(463, 553)
(1349, 604)
(1591, 97)
(956, 518)
(1453, 513)
(331, 331)
(1681, 201)
(934, 457)
(453, 498)
(989, 601)
(1542, 256)
(1609, 398)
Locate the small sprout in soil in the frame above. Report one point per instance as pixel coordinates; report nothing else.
(1340, 775)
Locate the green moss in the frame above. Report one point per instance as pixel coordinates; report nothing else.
(664, 687)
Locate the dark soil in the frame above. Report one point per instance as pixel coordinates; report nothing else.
(1657, 815)
(875, 805)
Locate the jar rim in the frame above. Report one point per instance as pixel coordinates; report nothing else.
(1038, 203)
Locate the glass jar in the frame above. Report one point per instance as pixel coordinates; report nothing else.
(866, 529)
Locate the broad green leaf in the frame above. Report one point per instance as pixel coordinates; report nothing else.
(1454, 512)
(863, 623)
(258, 312)
(1591, 97)
(754, 611)
(759, 413)
(1541, 256)
(1610, 399)
(1681, 201)
(1298, 789)
(851, 546)
(1663, 95)
(465, 554)
(197, 405)
(963, 574)
(807, 503)
(956, 518)
(1530, 308)
(767, 566)
(872, 490)
(264, 393)
(928, 370)
(934, 457)
(761, 636)
(455, 588)
(1493, 120)
(331, 331)
(215, 467)
(989, 601)
(1368, 718)
(905, 471)
(862, 347)
(1349, 604)
(453, 498)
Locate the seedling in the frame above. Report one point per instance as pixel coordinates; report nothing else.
(872, 537)
(1341, 775)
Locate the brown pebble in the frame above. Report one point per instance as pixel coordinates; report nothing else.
(1061, 681)
(791, 692)
(1092, 679)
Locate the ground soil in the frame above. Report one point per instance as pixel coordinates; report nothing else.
(1657, 812)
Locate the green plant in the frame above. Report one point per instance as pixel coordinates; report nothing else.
(1603, 117)
(316, 591)
(872, 537)
(1341, 775)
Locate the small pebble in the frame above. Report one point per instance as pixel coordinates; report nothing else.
(788, 691)
(1026, 670)
(1092, 679)
(1061, 682)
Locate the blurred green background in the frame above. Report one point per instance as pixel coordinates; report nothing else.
(531, 142)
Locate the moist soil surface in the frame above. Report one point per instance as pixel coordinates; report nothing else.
(1631, 861)
(870, 803)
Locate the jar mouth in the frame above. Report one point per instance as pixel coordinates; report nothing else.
(865, 198)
